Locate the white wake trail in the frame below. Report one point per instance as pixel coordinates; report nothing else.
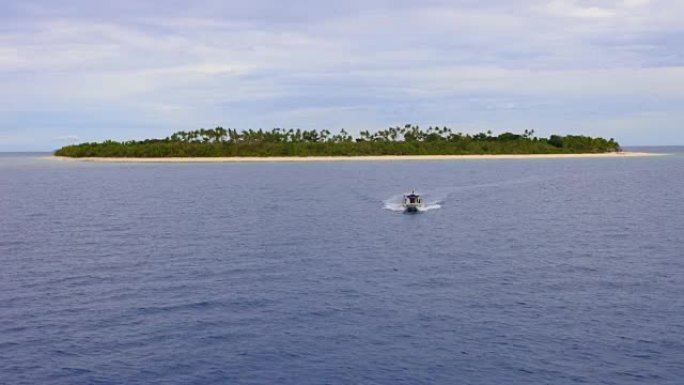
(434, 198)
(395, 203)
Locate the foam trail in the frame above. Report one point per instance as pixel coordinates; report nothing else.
(395, 203)
(435, 197)
(430, 206)
(440, 195)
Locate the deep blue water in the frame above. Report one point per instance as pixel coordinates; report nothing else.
(560, 271)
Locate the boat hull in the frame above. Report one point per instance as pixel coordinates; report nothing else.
(411, 208)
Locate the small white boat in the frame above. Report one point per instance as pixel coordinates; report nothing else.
(413, 202)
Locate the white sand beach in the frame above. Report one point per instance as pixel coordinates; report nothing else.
(354, 158)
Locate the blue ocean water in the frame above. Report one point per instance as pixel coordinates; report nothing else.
(555, 271)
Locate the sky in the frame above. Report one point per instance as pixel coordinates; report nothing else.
(82, 70)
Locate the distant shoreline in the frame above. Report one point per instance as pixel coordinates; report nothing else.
(352, 158)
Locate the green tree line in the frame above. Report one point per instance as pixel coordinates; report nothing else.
(406, 140)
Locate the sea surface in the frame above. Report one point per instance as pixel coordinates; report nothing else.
(542, 271)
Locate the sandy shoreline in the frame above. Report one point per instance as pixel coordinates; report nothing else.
(352, 158)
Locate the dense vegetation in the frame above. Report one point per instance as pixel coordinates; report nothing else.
(407, 140)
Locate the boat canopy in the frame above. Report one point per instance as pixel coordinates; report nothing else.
(413, 198)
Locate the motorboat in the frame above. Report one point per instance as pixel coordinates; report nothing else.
(413, 202)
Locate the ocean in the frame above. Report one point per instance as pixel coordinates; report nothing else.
(537, 271)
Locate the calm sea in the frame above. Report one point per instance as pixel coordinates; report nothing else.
(555, 271)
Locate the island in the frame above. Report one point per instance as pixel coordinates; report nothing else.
(409, 141)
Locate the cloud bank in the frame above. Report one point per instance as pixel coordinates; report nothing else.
(139, 69)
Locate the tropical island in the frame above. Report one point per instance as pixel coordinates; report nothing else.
(398, 141)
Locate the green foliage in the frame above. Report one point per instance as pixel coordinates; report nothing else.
(407, 140)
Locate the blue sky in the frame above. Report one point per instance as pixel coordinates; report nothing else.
(76, 70)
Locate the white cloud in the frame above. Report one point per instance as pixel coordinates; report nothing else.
(364, 61)
(636, 3)
(6, 140)
(69, 139)
(572, 9)
(604, 82)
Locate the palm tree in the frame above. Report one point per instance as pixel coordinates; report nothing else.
(324, 135)
(219, 134)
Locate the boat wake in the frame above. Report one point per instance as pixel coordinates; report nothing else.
(435, 198)
(395, 203)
